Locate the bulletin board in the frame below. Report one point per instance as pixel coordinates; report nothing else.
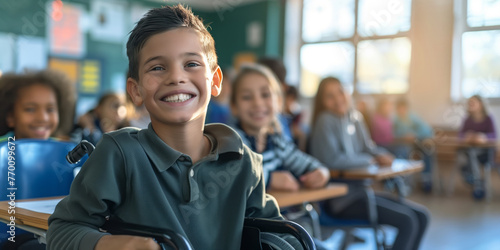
(64, 31)
(68, 66)
(90, 77)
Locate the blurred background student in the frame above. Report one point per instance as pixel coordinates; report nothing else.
(33, 105)
(410, 134)
(279, 70)
(110, 114)
(340, 140)
(36, 105)
(255, 104)
(381, 126)
(478, 128)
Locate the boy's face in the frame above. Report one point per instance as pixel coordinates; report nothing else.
(175, 79)
(255, 104)
(35, 114)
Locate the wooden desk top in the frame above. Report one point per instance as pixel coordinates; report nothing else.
(399, 167)
(286, 199)
(24, 216)
(459, 143)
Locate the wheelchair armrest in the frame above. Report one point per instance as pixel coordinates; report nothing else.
(163, 237)
(282, 226)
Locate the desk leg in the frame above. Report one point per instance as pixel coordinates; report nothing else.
(313, 215)
(454, 173)
(372, 213)
(402, 188)
(476, 172)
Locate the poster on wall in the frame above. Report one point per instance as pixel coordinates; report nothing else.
(70, 67)
(65, 29)
(31, 53)
(108, 21)
(90, 77)
(7, 43)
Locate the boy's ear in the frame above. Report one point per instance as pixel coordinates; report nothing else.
(217, 81)
(134, 92)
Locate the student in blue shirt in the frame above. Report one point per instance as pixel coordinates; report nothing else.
(410, 133)
(255, 104)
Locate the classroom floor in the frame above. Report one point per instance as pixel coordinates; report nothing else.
(458, 222)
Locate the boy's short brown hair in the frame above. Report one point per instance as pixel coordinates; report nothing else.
(164, 19)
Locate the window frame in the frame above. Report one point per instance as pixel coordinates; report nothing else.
(355, 39)
(460, 27)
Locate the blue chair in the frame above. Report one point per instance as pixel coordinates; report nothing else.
(348, 225)
(40, 168)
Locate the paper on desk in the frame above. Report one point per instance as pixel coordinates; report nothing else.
(43, 206)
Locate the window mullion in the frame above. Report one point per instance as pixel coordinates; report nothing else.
(355, 41)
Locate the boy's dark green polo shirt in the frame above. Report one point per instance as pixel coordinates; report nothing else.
(133, 175)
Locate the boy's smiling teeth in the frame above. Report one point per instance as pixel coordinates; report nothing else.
(177, 98)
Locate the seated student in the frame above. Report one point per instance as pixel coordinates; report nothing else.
(410, 129)
(218, 108)
(199, 181)
(35, 105)
(381, 124)
(477, 128)
(340, 140)
(109, 115)
(254, 104)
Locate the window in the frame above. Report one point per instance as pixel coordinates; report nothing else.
(476, 50)
(364, 43)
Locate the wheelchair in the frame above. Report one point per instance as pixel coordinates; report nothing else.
(258, 233)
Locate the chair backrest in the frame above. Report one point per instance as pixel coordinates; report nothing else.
(40, 168)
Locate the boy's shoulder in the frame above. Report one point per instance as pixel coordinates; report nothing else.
(123, 134)
(229, 141)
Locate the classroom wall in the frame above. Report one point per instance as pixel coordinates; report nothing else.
(430, 74)
(228, 23)
(28, 17)
(229, 27)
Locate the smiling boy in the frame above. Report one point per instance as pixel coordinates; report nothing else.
(199, 181)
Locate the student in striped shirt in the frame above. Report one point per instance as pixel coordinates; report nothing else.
(255, 102)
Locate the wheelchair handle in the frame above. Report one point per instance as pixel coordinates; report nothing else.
(76, 154)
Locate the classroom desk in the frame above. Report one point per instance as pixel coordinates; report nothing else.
(31, 221)
(473, 149)
(286, 198)
(399, 167)
(304, 197)
(36, 222)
